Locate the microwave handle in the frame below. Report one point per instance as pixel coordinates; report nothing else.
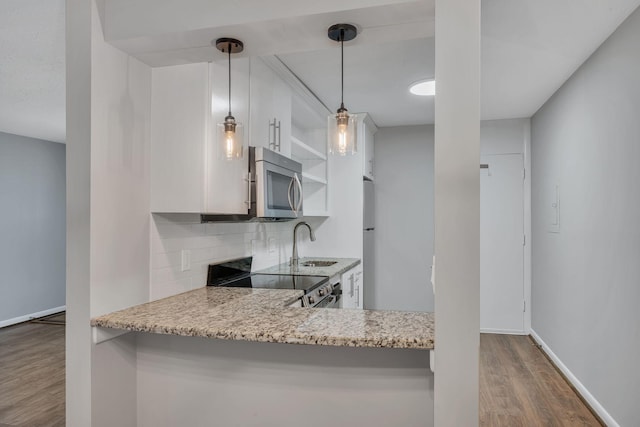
(289, 196)
(299, 205)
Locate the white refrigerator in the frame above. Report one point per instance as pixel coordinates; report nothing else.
(368, 241)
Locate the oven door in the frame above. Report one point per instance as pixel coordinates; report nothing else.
(278, 191)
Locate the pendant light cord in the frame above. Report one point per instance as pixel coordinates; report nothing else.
(229, 52)
(342, 67)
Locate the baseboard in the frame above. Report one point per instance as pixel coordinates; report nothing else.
(32, 316)
(502, 331)
(578, 386)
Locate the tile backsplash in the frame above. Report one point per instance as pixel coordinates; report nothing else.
(171, 234)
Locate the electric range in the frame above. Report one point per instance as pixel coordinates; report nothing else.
(318, 292)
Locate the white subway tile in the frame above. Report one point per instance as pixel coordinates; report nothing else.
(163, 290)
(166, 259)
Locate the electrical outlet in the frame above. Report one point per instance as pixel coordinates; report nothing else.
(186, 260)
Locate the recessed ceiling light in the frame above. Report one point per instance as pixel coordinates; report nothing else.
(423, 88)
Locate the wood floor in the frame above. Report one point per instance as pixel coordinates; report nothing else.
(32, 375)
(518, 385)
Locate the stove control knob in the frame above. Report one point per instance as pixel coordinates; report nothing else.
(311, 300)
(322, 292)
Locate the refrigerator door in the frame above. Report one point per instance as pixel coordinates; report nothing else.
(368, 279)
(369, 203)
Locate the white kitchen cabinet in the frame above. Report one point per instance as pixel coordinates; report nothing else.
(179, 106)
(366, 131)
(270, 109)
(352, 289)
(188, 172)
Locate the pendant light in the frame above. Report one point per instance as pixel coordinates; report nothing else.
(230, 132)
(342, 126)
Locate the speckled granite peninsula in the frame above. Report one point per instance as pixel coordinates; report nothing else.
(262, 315)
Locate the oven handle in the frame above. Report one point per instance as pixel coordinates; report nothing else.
(327, 302)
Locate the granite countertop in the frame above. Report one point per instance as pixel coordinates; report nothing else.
(341, 265)
(262, 315)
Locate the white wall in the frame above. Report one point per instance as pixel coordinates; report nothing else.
(108, 218)
(585, 277)
(120, 219)
(340, 235)
(404, 208)
(193, 381)
(32, 226)
(457, 212)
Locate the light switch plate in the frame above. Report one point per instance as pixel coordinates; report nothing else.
(186, 260)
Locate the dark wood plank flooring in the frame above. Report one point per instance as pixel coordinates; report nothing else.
(32, 375)
(518, 385)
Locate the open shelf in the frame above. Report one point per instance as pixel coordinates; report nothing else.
(304, 151)
(312, 179)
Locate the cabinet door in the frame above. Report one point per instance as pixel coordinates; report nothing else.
(367, 134)
(282, 112)
(270, 100)
(226, 185)
(349, 289)
(359, 288)
(179, 116)
(261, 105)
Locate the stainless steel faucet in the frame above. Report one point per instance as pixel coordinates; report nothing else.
(294, 258)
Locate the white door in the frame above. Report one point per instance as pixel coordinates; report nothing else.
(501, 244)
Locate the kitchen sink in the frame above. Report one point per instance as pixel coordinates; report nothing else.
(318, 263)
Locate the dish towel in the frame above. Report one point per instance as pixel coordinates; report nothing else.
(433, 274)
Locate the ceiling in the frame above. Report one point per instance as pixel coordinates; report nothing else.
(529, 48)
(32, 66)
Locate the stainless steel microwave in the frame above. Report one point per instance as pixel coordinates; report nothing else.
(274, 189)
(278, 185)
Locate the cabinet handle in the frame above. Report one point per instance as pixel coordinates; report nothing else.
(248, 202)
(279, 132)
(274, 130)
(358, 296)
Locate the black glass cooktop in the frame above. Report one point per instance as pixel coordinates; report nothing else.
(237, 273)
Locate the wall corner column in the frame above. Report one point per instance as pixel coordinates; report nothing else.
(78, 165)
(457, 212)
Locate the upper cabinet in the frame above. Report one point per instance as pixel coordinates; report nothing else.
(270, 110)
(366, 131)
(188, 171)
(307, 141)
(179, 117)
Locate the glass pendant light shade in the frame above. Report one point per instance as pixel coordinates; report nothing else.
(342, 133)
(229, 133)
(230, 139)
(342, 125)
